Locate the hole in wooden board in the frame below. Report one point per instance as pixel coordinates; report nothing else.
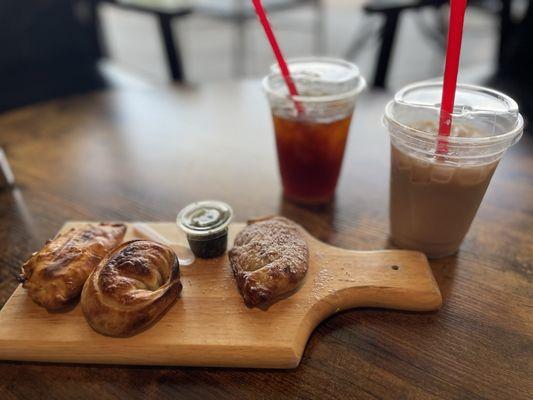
(395, 267)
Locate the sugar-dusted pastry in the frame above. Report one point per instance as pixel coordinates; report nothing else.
(269, 258)
(131, 288)
(55, 275)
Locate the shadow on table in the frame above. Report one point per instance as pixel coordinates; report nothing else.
(444, 272)
(318, 220)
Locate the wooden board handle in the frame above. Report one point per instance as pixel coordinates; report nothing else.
(396, 279)
(399, 279)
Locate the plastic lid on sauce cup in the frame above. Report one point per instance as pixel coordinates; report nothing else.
(206, 225)
(204, 219)
(317, 79)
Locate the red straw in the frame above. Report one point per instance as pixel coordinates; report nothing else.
(261, 14)
(451, 68)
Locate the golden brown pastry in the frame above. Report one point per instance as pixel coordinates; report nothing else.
(269, 258)
(131, 287)
(55, 275)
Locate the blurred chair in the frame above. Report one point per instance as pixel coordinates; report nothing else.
(165, 11)
(391, 11)
(514, 73)
(239, 12)
(516, 37)
(49, 49)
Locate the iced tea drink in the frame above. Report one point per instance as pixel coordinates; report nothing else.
(434, 197)
(310, 140)
(310, 156)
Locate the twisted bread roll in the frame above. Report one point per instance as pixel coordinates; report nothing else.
(131, 287)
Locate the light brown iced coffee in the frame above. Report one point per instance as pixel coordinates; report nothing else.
(434, 197)
(432, 205)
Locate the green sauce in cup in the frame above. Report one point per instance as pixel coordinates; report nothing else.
(206, 225)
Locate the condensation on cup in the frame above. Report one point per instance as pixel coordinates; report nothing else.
(434, 197)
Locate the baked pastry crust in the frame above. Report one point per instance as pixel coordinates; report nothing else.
(270, 257)
(55, 275)
(131, 288)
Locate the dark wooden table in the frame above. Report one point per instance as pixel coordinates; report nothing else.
(143, 154)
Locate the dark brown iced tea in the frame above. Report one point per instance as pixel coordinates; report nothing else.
(310, 155)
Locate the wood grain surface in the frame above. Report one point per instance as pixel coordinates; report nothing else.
(144, 154)
(209, 325)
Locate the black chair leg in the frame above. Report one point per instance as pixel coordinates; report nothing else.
(505, 28)
(388, 35)
(172, 52)
(96, 29)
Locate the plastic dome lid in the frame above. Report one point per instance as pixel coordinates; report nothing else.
(317, 79)
(492, 113)
(468, 98)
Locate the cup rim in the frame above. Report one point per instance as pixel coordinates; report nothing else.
(314, 99)
(389, 121)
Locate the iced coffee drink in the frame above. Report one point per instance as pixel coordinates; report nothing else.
(435, 196)
(425, 198)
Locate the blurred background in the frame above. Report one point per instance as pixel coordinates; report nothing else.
(53, 48)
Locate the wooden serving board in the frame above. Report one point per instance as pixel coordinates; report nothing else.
(209, 325)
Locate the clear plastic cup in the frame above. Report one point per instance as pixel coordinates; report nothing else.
(434, 197)
(310, 142)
